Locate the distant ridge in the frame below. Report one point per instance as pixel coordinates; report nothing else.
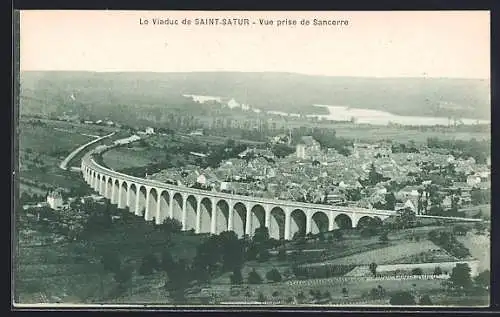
(288, 92)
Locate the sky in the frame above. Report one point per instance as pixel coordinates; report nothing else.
(451, 44)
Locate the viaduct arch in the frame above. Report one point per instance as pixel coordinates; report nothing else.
(215, 212)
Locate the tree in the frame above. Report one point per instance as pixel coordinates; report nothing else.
(166, 260)
(345, 292)
(263, 255)
(254, 277)
(419, 202)
(390, 201)
(232, 250)
(261, 236)
(111, 262)
(327, 295)
(407, 218)
(475, 196)
(373, 268)
(384, 237)
(438, 271)
(460, 276)
(273, 275)
(373, 176)
(337, 235)
(179, 278)
(148, 265)
(282, 150)
(282, 255)
(483, 279)
(402, 298)
(123, 276)
(300, 296)
(252, 252)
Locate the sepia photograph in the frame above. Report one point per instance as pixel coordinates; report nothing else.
(252, 159)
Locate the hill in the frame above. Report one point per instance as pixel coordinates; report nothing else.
(287, 92)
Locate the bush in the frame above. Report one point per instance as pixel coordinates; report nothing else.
(402, 298)
(254, 277)
(263, 256)
(273, 275)
(483, 279)
(384, 237)
(425, 300)
(416, 271)
(301, 296)
(171, 225)
(236, 277)
(149, 265)
(261, 298)
(111, 262)
(123, 276)
(167, 260)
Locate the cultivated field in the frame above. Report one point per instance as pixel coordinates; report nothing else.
(385, 255)
(48, 140)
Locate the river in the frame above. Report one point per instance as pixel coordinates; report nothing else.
(345, 113)
(377, 117)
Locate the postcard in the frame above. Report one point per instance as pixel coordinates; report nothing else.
(226, 159)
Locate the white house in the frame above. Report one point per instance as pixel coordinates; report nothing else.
(196, 132)
(150, 130)
(307, 147)
(473, 180)
(408, 204)
(54, 199)
(225, 186)
(201, 179)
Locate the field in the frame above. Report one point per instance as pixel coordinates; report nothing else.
(125, 157)
(430, 256)
(387, 254)
(355, 288)
(47, 140)
(377, 133)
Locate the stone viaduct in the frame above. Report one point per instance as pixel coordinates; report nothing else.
(214, 212)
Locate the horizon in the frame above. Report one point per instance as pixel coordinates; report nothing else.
(244, 72)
